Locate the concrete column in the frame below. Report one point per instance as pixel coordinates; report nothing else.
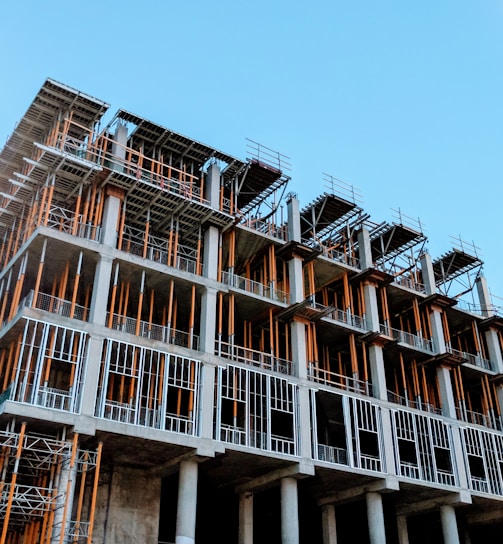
(91, 375)
(210, 252)
(119, 143)
(446, 392)
(299, 354)
(187, 503)
(206, 409)
(213, 186)
(111, 212)
(246, 518)
(304, 423)
(294, 232)
(449, 525)
(403, 532)
(375, 518)
(365, 249)
(328, 521)
(484, 297)
(208, 320)
(296, 277)
(437, 331)
(494, 349)
(377, 374)
(428, 274)
(101, 288)
(289, 512)
(67, 476)
(371, 309)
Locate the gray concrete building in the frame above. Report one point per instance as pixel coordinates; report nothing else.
(188, 355)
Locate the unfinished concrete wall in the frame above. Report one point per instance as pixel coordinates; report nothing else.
(127, 509)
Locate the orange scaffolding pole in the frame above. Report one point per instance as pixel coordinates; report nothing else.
(12, 486)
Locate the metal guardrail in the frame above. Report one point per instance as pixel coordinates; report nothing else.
(476, 360)
(252, 357)
(154, 331)
(327, 377)
(255, 287)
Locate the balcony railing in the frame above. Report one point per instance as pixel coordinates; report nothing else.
(413, 340)
(476, 360)
(252, 357)
(251, 286)
(156, 249)
(332, 454)
(267, 227)
(410, 283)
(326, 377)
(65, 221)
(417, 405)
(477, 418)
(348, 318)
(153, 331)
(55, 305)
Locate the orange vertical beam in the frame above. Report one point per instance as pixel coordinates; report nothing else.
(140, 304)
(12, 488)
(94, 494)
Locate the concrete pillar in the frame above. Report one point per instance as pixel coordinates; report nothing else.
(111, 212)
(210, 252)
(208, 320)
(289, 512)
(187, 503)
(207, 399)
(119, 143)
(294, 231)
(328, 521)
(446, 392)
(484, 297)
(494, 350)
(66, 491)
(246, 518)
(437, 331)
(377, 373)
(365, 249)
(371, 308)
(403, 532)
(296, 277)
(428, 274)
(449, 524)
(101, 288)
(375, 518)
(91, 375)
(213, 185)
(304, 423)
(299, 354)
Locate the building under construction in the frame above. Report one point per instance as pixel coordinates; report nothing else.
(187, 354)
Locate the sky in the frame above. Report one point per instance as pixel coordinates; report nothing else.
(401, 99)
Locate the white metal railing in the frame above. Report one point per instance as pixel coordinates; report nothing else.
(490, 421)
(55, 305)
(49, 397)
(255, 287)
(476, 360)
(341, 257)
(154, 331)
(267, 227)
(252, 357)
(348, 318)
(334, 379)
(416, 404)
(410, 283)
(369, 462)
(409, 470)
(232, 435)
(65, 221)
(413, 340)
(332, 454)
(156, 250)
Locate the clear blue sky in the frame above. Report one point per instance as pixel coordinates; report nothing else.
(403, 99)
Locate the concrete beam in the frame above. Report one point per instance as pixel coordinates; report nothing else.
(298, 471)
(385, 485)
(452, 499)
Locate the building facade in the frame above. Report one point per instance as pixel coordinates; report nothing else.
(188, 355)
